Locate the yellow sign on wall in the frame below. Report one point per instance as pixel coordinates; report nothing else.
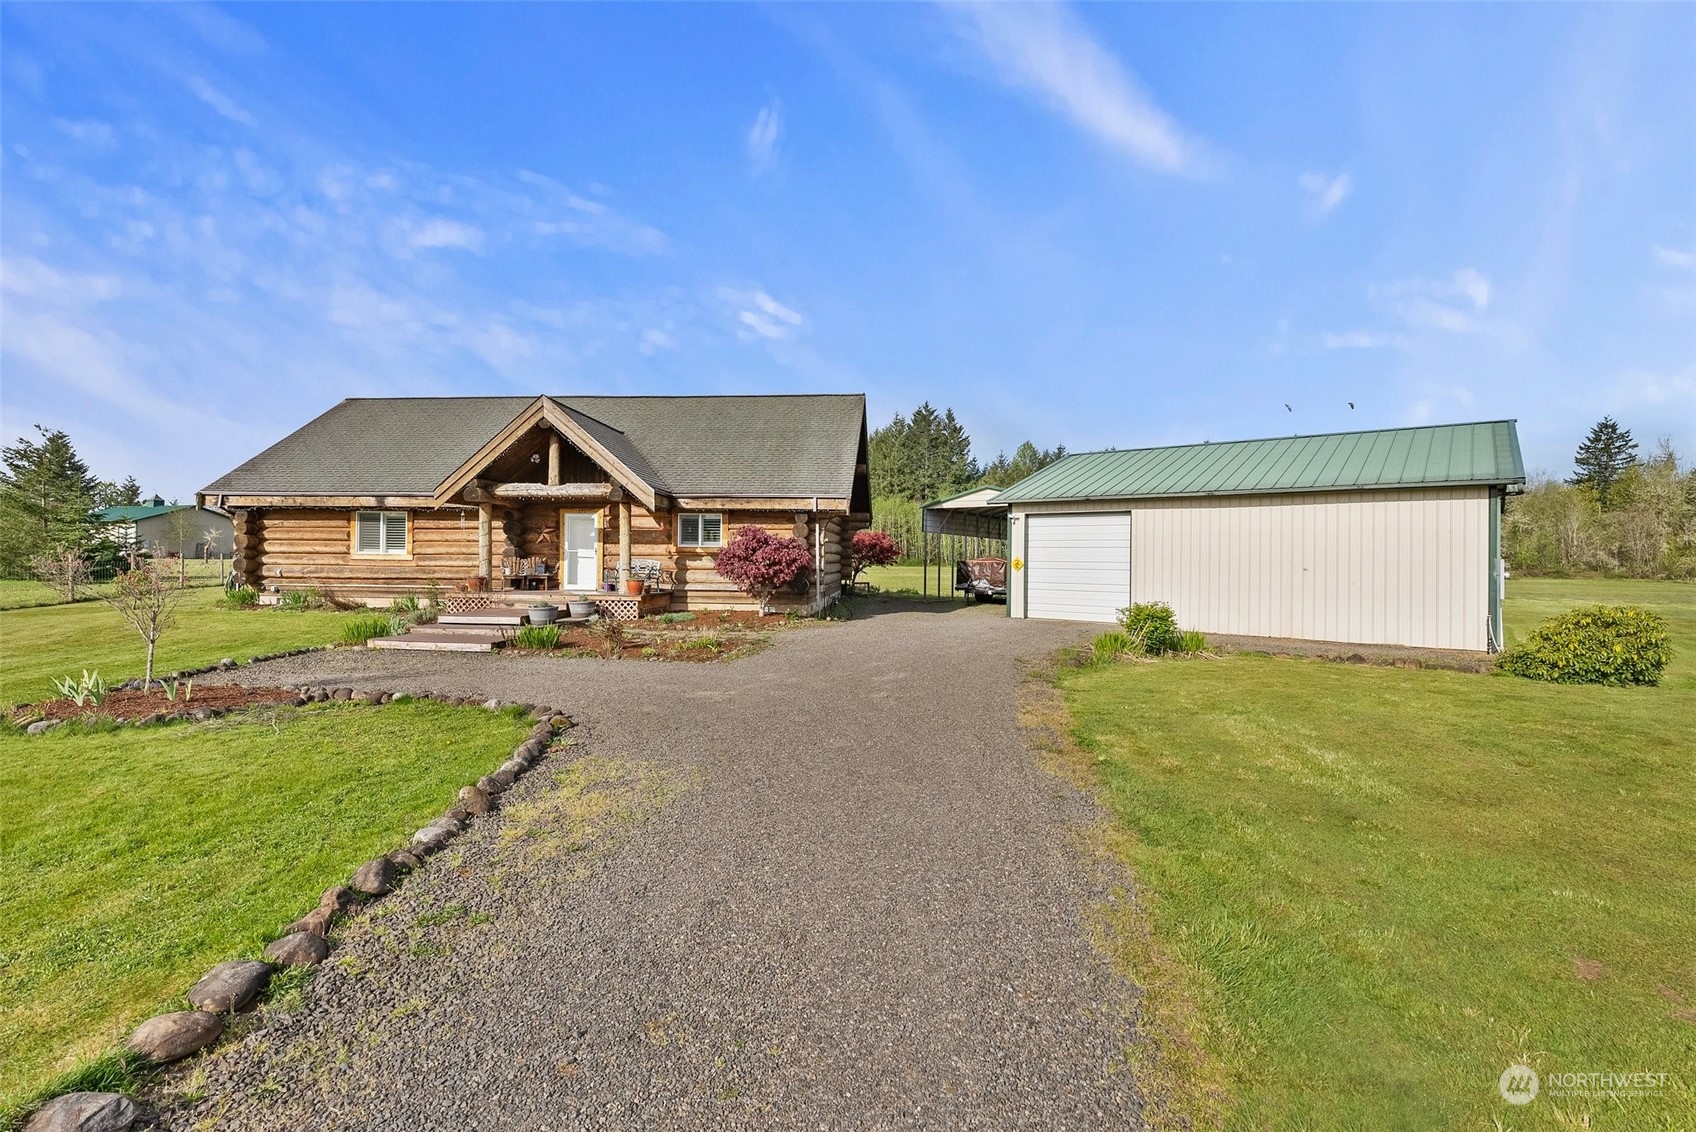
(1018, 563)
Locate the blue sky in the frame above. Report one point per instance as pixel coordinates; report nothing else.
(1092, 226)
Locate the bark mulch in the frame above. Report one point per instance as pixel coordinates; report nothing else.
(133, 705)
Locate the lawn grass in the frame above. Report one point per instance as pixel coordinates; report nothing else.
(1380, 887)
(25, 594)
(909, 579)
(132, 860)
(39, 644)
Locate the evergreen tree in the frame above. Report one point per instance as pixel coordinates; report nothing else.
(108, 494)
(46, 499)
(1027, 460)
(1603, 458)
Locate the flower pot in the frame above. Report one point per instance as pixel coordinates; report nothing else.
(581, 609)
(633, 585)
(476, 585)
(543, 614)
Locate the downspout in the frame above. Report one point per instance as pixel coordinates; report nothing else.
(818, 557)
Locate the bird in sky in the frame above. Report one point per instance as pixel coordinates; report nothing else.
(1351, 404)
(1287, 409)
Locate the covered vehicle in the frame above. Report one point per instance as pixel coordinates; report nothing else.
(981, 578)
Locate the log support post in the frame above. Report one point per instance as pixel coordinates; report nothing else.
(246, 558)
(624, 540)
(553, 459)
(485, 539)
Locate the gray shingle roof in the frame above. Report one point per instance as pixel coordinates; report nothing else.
(799, 445)
(802, 444)
(1482, 452)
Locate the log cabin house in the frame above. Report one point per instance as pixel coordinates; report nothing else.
(495, 498)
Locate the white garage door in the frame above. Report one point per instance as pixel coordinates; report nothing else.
(1078, 566)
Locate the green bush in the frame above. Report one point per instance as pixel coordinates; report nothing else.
(1599, 644)
(242, 597)
(537, 637)
(405, 605)
(1152, 625)
(676, 618)
(361, 627)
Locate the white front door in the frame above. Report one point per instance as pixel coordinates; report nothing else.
(580, 551)
(1078, 567)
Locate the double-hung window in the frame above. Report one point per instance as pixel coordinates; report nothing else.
(379, 532)
(700, 530)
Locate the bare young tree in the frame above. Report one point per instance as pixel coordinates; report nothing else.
(147, 602)
(62, 571)
(183, 527)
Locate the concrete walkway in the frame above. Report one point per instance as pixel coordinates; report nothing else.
(856, 910)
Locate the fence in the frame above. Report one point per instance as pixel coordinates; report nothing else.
(20, 589)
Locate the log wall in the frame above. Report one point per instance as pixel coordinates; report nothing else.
(300, 548)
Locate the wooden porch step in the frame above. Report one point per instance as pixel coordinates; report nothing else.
(427, 640)
(504, 618)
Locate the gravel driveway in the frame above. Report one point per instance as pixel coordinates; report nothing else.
(853, 907)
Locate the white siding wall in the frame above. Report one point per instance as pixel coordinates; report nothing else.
(1373, 567)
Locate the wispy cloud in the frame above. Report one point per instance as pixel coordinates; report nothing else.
(219, 101)
(1674, 257)
(758, 315)
(1327, 192)
(1046, 50)
(1365, 340)
(1455, 303)
(764, 136)
(440, 232)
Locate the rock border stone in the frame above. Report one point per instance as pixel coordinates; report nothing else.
(236, 985)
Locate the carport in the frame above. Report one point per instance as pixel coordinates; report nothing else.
(968, 515)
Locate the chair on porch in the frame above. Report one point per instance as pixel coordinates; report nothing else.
(656, 577)
(526, 573)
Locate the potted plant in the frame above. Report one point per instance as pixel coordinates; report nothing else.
(633, 586)
(580, 608)
(543, 613)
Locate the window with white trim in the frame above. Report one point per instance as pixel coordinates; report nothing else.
(379, 532)
(700, 530)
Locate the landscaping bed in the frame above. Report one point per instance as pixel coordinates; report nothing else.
(132, 705)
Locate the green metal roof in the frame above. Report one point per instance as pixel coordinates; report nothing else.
(1483, 452)
(134, 512)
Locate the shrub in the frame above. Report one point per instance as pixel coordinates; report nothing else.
(405, 605)
(761, 563)
(676, 618)
(1152, 624)
(870, 548)
(702, 642)
(242, 597)
(361, 627)
(612, 637)
(537, 637)
(1600, 644)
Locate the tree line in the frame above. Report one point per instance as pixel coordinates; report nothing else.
(50, 503)
(1618, 513)
(927, 455)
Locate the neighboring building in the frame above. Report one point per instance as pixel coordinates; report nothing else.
(161, 528)
(1386, 537)
(381, 497)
